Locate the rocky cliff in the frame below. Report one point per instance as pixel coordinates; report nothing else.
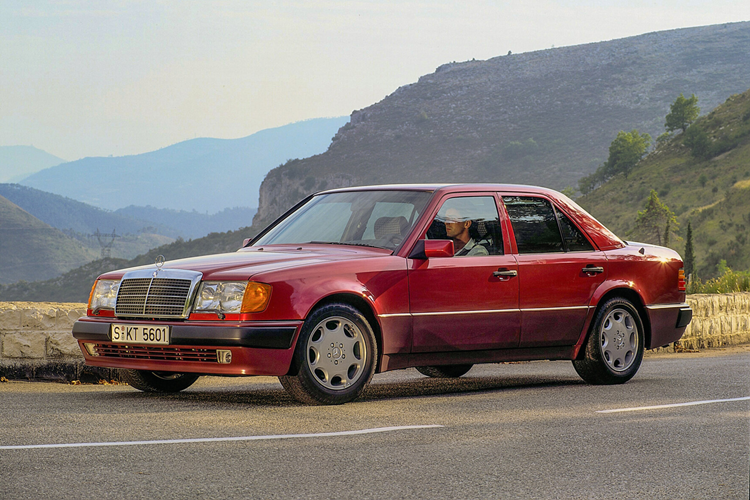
(544, 117)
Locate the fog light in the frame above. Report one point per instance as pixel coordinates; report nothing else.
(223, 356)
(91, 349)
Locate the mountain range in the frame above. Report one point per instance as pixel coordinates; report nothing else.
(206, 175)
(18, 162)
(80, 220)
(32, 250)
(44, 234)
(544, 117)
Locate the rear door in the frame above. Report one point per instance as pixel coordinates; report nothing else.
(558, 268)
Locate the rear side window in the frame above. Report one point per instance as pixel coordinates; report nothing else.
(534, 224)
(539, 228)
(575, 241)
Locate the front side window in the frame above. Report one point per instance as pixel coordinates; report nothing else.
(472, 223)
(380, 219)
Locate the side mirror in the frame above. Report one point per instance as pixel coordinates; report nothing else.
(428, 249)
(246, 241)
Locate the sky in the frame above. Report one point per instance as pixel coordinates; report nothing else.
(100, 78)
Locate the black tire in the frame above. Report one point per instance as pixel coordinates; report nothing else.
(446, 371)
(614, 349)
(335, 357)
(147, 381)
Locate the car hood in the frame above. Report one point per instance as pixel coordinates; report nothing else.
(246, 262)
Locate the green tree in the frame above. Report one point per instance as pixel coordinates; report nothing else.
(653, 223)
(624, 154)
(682, 113)
(689, 255)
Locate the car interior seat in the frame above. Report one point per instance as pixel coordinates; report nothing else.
(487, 233)
(390, 226)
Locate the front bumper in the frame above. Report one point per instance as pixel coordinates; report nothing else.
(256, 348)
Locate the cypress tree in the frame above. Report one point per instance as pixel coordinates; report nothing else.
(689, 256)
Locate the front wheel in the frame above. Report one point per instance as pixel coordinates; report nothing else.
(614, 349)
(147, 381)
(335, 357)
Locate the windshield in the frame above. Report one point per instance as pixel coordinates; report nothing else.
(378, 219)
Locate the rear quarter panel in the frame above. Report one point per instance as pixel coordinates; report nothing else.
(654, 277)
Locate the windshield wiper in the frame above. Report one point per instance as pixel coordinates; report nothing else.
(344, 243)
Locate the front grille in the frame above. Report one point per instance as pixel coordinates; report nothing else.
(166, 353)
(166, 295)
(155, 297)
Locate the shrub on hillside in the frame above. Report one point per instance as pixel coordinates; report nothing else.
(729, 282)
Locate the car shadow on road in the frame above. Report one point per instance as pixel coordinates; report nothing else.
(463, 385)
(267, 395)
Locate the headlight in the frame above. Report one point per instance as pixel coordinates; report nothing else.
(104, 294)
(232, 297)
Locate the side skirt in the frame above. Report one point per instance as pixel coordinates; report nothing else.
(398, 361)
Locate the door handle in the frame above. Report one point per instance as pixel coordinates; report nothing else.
(505, 272)
(593, 269)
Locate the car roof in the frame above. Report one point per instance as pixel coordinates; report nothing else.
(448, 188)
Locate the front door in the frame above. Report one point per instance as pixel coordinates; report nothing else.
(469, 301)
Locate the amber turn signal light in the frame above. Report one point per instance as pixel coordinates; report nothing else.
(256, 298)
(91, 293)
(681, 280)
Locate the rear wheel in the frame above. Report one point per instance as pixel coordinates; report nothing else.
(335, 357)
(446, 371)
(147, 381)
(614, 349)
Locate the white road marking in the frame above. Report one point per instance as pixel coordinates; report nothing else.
(215, 440)
(659, 407)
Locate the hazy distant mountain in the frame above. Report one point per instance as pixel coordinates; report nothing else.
(18, 162)
(32, 250)
(545, 117)
(75, 216)
(193, 224)
(207, 175)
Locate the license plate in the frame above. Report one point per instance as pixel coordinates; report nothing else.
(140, 334)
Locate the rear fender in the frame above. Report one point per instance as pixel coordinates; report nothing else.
(616, 288)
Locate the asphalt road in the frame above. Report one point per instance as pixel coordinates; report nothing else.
(526, 430)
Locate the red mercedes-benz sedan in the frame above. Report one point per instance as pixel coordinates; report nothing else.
(351, 282)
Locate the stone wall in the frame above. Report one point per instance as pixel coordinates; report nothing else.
(718, 320)
(36, 340)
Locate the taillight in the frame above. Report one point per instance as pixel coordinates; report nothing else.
(681, 280)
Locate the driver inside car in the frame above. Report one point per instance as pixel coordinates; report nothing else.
(457, 228)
